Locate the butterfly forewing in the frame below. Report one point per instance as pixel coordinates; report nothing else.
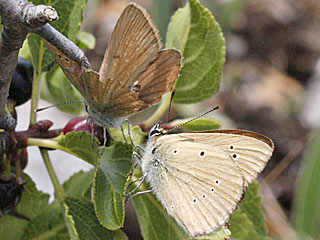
(251, 151)
(137, 61)
(133, 45)
(200, 186)
(71, 69)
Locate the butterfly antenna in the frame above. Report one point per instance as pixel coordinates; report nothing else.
(197, 117)
(169, 109)
(55, 105)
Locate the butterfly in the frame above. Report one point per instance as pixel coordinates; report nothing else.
(134, 74)
(200, 177)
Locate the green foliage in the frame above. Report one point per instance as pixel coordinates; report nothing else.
(307, 207)
(202, 124)
(137, 135)
(194, 31)
(86, 40)
(86, 222)
(56, 88)
(31, 204)
(80, 144)
(248, 222)
(155, 223)
(110, 183)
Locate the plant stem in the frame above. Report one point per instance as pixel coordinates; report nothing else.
(158, 113)
(36, 86)
(59, 193)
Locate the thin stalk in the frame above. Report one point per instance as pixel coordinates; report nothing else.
(36, 86)
(59, 193)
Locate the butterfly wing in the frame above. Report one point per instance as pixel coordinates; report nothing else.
(71, 69)
(250, 150)
(133, 58)
(198, 184)
(107, 98)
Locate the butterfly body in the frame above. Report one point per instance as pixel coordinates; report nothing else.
(200, 177)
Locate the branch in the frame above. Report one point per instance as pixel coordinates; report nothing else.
(19, 17)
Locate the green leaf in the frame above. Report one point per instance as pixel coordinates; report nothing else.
(70, 18)
(78, 184)
(155, 223)
(110, 184)
(137, 135)
(53, 92)
(202, 124)
(81, 145)
(248, 222)
(307, 207)
(47, 225)
(194, 31)
(86, 222)
(86, 40)
(31, 204)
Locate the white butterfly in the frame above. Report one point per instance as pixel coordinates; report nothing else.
(200, 177)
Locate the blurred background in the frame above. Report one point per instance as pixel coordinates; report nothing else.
(270, 85)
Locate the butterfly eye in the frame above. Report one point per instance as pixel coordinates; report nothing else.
(66, 59)
(212, 190)
(175, 151)
(217, 181)
(204, 196)
(194, 200)
(59, 56)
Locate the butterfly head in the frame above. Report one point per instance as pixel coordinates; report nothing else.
(156, 130)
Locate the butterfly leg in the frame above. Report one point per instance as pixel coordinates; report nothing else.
(85, 127)
(133, 192)
(129, 132)
(124, 137)
(105, 136)
(134, 159)
(139, 193)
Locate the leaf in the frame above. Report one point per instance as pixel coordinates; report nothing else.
(51, 91)
(78, 184)
(248, 222)
(202, 125)
(194, 31)
(47, 225)
(86, 222)
(81, 145)
(110, 184)
(155, 223)
(307, 208)
(137, 135)
(70, 18)
(86, 40)
(31, 204)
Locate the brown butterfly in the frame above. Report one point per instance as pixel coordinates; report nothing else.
(134, 73)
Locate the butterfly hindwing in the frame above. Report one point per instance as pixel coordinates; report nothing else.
(208, 181)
